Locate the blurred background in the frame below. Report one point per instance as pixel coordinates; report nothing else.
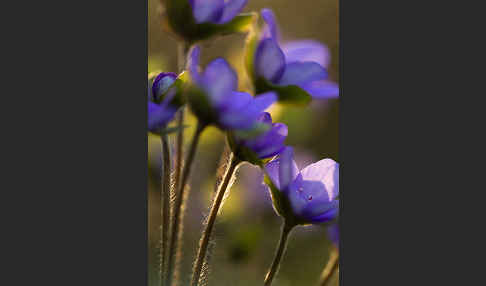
(247, 229)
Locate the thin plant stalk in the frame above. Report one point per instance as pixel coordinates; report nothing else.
(278, 256)
(217, 203)
(331, 267)
(176, 230)
(165, 212)
(182, 50)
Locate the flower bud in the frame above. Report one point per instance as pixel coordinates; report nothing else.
(165, 96)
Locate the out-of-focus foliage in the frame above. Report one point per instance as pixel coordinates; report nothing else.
(247, 230)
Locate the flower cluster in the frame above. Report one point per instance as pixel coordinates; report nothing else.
(293, 72)
(214, 99)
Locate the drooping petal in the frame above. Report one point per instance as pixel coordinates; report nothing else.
(269, 60)
(236, 101)
(270, 30)
(288, 168)
(260, 103)
(207, 10)
(220, 80)
(159, 116)
(328, 215)
(232, 114)
(302, 72)
(322, 89)
(271, 151)
(306, 51)
(274, 136)
(325, 171)
(152, 108)
(231, 9)
(271, 142)
(247, 116)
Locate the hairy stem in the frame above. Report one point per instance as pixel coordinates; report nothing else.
(331, 267)
(176, 233)
(182, 50)
(165, 212)
(206, 235)
(278, 256)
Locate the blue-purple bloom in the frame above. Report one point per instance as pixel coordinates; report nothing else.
(192, 21)
(264, 145)
(216, 11)
(300, 63)
(160, 97)
(311, 194)
(215, 99)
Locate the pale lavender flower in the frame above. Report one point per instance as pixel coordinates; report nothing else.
(309, 195)
(302, 63)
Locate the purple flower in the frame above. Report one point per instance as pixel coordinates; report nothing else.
(300, 63)
(160, 101)
(216, 11)
(264, 145)
(196, 20)
(215, 99)
(306, 196)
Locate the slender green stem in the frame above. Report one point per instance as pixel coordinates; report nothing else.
(176, 233)
(331, 267)
(165, 212)
(182, 50)
(179, 146)
(278, 256)
(217, 203)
